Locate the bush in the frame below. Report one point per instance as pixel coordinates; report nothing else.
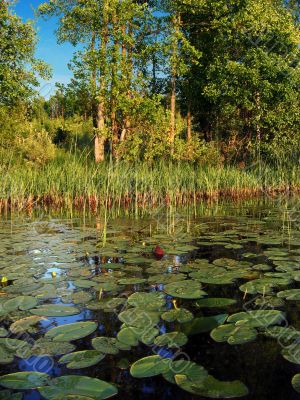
(36, 147)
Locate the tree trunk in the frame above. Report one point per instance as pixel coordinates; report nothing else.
(189, 123)
(173, 113)
(176, 21)
(99, 138)
(99, 121)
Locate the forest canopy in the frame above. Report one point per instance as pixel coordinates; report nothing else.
(211, 82)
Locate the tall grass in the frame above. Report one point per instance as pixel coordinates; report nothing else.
(73, 181)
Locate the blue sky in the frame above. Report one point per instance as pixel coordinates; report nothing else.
(48, 50)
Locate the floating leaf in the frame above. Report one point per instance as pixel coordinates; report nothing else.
(257, 318)
(82, 359)
(13, 347)
(106, 345)
(66, 333)
(213, 388)
(3, 332)
(213, 302)
(46, 347)
(291, 294)
(131, 281)
(296, 382)
(283, 334)
(233, 334)
(147, 301)
(185, 290)
(128, 337)
(78, 386)
(195, 373)
(55, 310)
(180, 314)
(149, 366)
(139, 318)
(26, 325)
(24, 380)
(171, 340)
(203, 324)
(21, 303)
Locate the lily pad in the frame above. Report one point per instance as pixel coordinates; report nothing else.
(21, 302)
(213, 388)
(46, 347)
(291, 294)
(180, 315)
(66, 333)
(147, 301)
(82, 359)
(24, 380)
(214, 302)
(55, 310)
(171, 340)
(9, 348)
(185, 290)
(296, 382)
(195, 373)
(139, 318)
(149, 366)
(106, 345)
(27, 324)
(203, 324)
(78, 386)
(257, 318)
(233, 334)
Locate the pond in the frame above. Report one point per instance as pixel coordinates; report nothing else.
(190, 303)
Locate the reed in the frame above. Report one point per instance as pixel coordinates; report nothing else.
(71, 181)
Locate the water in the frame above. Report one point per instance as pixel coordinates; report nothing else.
(62, 254)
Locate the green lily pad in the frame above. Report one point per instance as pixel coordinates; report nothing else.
(213, 388)
(46, 347)
(180, 315)
(131, 336)
(149, 366)
(27, 324)
(203, 324)
(139, 318)
(82, 283)
(55, 310)
(195, 373)
(292, 353)
(257, 318)
(128, 336)
(106, 345)
(147, 301)
(82, 359)
(9, 348)
(6, 394)
(215, 302)
(171, 340)
(291, 294)
(77, 385)
(233, 334)
(3, 332)
(21, 302)
(24, 380)
(283, 334)
(269, 302)
(66, 333)
(107, 305)
(296, 382)
(131, 281)
(185, 290)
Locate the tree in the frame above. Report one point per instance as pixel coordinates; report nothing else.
(19, 69)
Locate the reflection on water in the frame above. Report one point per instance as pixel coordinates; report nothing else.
(62, 261)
